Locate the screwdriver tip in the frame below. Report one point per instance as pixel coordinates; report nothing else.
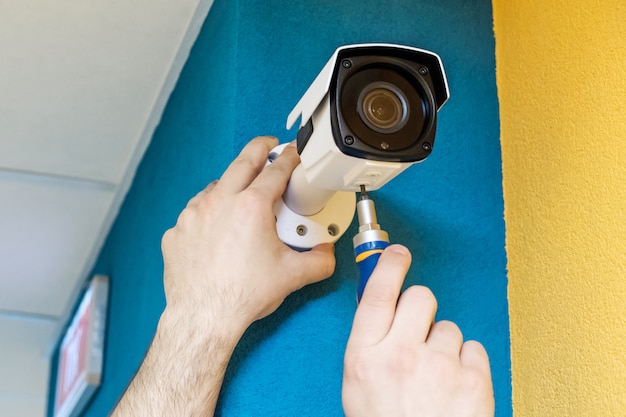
(364, 195)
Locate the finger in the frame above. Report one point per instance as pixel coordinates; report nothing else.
(211, 186)
(445, 336)
(377, 308)
(312, 266)
(196, 199)
(474, 355)
(274, 178)
(245, 168)
(415, 314)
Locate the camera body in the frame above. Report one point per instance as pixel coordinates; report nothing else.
(369, 115)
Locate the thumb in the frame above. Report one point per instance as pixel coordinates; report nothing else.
(375, 314)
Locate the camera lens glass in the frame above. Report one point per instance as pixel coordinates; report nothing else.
(383, 107)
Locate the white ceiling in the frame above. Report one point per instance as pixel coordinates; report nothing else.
(82, 87)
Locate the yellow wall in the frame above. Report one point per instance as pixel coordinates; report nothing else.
(561, 74)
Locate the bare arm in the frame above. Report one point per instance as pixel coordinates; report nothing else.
(182, 372)
(225, 268)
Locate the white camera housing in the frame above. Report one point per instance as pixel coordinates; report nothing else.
(368, 116)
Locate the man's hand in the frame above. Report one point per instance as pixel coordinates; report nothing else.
(223, 259)
(225, 267)
(398, 362)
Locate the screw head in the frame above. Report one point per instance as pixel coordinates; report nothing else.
(423, 70)
(348, 140)
(346, 63)
(427, 146)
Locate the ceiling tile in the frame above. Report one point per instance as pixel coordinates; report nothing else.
(24, 365)
(22, 406)
(48, 230)
(79, 80)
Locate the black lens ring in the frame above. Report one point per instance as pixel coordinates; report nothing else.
(419, 110)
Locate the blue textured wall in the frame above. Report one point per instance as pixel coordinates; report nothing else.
(249, 66)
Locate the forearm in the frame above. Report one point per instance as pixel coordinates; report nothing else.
(183, 370)
(224, 268)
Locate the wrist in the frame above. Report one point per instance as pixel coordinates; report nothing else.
(184, 368)
(199, 329)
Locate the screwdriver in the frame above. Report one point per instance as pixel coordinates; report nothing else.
(369, 242)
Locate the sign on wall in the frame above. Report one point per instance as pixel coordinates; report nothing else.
(81, 351)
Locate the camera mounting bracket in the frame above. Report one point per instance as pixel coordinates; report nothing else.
(304, 231)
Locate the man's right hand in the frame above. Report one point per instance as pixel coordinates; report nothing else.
(398, 362)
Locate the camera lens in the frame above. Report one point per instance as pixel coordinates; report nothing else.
(383, 107)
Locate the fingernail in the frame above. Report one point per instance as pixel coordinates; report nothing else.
(399, 249)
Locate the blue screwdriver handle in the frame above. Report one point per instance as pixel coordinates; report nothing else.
(366, 257)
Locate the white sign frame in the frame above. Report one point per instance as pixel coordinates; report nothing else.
(81, 351)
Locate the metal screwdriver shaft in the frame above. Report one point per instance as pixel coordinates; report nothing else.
(369, 242)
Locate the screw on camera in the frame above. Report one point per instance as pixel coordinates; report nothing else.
(348, 140)
(346, 63)
(423, 70)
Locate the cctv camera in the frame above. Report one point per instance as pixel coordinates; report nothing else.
(370, 114)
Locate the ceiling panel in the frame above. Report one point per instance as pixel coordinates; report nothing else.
(24, 365)
(79, 80)
(28, 335)
(48, 229)
(23, 338)
(22, 406)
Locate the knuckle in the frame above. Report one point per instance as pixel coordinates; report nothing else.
(476, 381)
(252, 198)
(184, 218)
(357, 367)
(444, 364)
(420, 294)
(404, 360)
(208, 200)
(244, 162)
(166, 239)
(380, 300)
